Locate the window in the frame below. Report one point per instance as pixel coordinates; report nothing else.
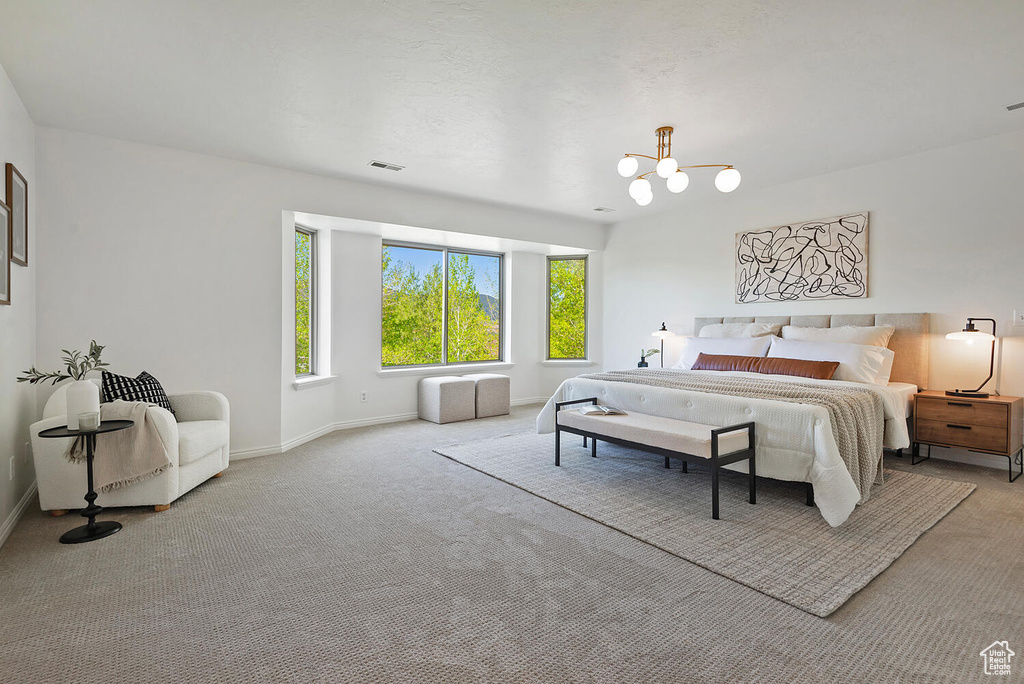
(305, 302)
(567, 307)
(440, 306)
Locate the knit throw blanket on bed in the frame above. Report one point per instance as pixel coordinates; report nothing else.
(128, 456)
(857, 415)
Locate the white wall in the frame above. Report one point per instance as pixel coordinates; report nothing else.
(175, 261)
(17, 321)
(945, 238)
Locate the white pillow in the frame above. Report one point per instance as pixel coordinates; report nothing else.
(739, 330)
(732, 346)
(883, 375)
(873, 335)
(857, 362)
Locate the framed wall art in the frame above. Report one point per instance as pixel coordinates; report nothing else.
(822, 259)
(17, 202)
(5, 254)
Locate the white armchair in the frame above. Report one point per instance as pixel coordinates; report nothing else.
(198, 442)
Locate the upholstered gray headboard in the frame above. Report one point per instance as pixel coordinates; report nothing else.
(909, 342)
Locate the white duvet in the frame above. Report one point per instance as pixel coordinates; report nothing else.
(794, 441)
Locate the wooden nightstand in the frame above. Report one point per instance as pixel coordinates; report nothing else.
(994, 425)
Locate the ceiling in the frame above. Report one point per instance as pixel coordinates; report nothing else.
(525, 102)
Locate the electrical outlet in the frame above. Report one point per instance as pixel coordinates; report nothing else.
(362, 397)
(1018, 318)
(10, 472)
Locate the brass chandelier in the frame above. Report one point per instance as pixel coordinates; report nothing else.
(727, 180)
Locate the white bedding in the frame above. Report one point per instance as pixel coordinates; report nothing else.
(906, 392)
(794, 441)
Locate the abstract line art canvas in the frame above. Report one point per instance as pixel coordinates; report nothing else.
(823, 259)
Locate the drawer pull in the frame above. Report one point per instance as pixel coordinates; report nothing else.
(959, 427)
(958, 403)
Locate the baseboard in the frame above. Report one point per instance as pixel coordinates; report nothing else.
(529, 400)
(15, 516)
(319, 432)
(346, 425)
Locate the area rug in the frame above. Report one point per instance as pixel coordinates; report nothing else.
(780, 546)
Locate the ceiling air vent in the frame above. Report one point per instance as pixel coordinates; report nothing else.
(603, 209)
(1019, 105)
(384, 165)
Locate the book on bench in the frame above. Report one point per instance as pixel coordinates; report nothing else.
(598, 410)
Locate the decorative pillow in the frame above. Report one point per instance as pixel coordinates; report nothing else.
(739, 330)
(142, 388)
(736, 346)
(873, 335)
(857, 362)
(821, 370)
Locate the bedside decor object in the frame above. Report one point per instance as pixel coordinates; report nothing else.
(644, 355)
(17, 200)
(5, 255)
(970, 334)
(82, 396)
(93, 530)
(988, 425)
(662, 332)
(727, 180)
(823, 259)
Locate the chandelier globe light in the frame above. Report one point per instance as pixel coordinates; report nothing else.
(676, 180)
(628, 166)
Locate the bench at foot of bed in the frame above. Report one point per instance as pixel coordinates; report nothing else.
(668, 437)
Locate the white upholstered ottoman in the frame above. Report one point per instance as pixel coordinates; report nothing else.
(447, 399)
(492, 394)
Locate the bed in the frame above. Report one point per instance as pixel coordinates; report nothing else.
(796, 440)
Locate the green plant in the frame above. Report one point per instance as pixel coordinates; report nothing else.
(76, 365)
(649, 352)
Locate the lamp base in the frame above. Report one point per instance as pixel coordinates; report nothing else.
(963, 393)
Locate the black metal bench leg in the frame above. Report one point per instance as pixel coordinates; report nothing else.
(714, 492)
(584, 442)
(753, 480)
(810, 493)
(593, 447)
(667, 464)
(685, 467)
(558, 445)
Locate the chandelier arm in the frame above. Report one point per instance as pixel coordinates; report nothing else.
(707, 166)
(641, 155)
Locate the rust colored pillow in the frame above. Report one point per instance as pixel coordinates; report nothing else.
(820, 370)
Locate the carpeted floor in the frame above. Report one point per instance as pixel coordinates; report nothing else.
(365, 557)
(780, 546)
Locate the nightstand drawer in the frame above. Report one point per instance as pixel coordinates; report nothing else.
(982, 437)
(962, 412)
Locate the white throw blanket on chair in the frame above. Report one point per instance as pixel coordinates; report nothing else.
(127, 456)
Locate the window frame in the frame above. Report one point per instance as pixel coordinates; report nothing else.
(445, 251)
(314, 318)
(585, 258)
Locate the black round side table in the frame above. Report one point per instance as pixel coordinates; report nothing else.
(93, 530)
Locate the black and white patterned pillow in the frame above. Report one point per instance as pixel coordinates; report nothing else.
(142, 388)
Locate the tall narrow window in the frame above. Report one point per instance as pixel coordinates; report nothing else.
(305, 304)
(439, 306)
(567, 307)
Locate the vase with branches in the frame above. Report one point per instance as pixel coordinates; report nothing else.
(83, 396)
(644, 355)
